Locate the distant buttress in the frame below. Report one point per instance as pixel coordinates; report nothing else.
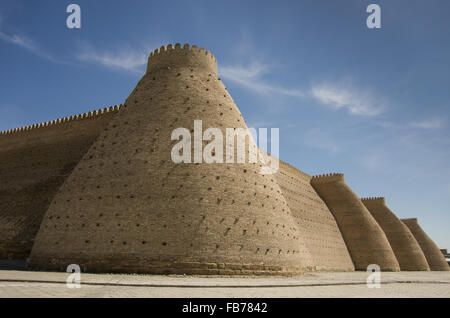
(366, 241)
(405, 247)
(435, 258)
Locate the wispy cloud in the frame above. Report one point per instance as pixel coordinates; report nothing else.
(250, 77)
(337, 96)
(427, 124)
(319, 139)
(373, 161)
(27, 44)
(132, 60)
(18, 40)
(126, 58)
(344, 96)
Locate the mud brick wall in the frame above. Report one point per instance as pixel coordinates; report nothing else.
(435, 258)
(128, 207)
(365, 240)
(34, 162)
(101, 190)
(406, 249)
(317, 224)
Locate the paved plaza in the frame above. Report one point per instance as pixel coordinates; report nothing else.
(21, 283)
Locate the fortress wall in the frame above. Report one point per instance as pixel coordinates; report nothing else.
(119, 204)
(311, 214)
(405, 247)
(317, 224)
(127, 207)
(364, 238)
(34, 162)
(435, 258)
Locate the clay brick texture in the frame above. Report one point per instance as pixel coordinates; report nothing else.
(34, 162)
(101, 190)
(128, 207)
(365, 239)
(435, 258)
(405, 247)
(318, 226)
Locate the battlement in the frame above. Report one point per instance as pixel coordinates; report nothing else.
(94, 113)
(329, 177)
(374, 199)
(409, 220)
(176, 56)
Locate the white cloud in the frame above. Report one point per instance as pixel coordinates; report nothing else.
(373, 161)
(319, 139)
(126, 58)
(27, 44)
(427, 124)
(386, 124)
(356, 102)
(18, 40)
(132, 60)
(250, 77)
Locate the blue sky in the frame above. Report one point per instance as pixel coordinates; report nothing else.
(373, 104)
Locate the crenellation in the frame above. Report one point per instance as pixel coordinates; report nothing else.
(170, 56)
(177, 47)
(329, 177)
(62, 120)
(380, 199)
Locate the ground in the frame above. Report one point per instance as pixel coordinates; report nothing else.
(22, 283)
